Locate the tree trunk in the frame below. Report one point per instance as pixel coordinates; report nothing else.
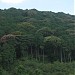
(31, 52)
(70, 56)
(43, 55)
(64, 56)
(36, 54)
(61, 56)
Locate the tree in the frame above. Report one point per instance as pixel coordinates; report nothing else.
(45, 31)
(38, 44)
(53, 46)
(26, 28)
(8, 55)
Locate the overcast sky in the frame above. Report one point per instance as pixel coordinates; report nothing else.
(66, 6)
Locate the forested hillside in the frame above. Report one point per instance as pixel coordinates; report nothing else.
(36, 42)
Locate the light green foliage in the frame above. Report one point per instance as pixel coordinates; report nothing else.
(45, 31)
(26, 27)
(53, 39)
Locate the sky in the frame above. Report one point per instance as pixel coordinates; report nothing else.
(66, 6)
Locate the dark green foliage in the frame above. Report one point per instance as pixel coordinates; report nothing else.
(31, 67)
(31, 41)
(7, 55)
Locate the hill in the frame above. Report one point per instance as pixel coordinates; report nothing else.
(31, 38)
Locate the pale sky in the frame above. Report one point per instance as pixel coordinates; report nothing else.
(66, 6)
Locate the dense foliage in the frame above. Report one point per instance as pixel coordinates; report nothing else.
(36, 42)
